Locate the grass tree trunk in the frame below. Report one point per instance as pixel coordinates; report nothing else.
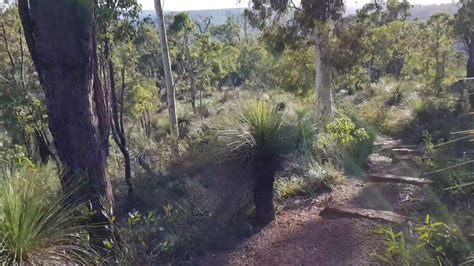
(324, 107)
(60, 39)
(171, 94)
(263, 194)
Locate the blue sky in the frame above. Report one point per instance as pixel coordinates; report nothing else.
(182, 5)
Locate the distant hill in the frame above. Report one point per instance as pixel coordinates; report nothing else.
(421, 12)
(219, 16)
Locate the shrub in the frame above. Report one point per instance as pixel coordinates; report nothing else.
(347, 143)
(315, 178)
(37, 227)
(434, 117)
(306, 130)
(435, 243)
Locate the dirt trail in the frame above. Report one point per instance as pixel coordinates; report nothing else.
(306, 237)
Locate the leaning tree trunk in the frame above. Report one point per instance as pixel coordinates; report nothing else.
(60, 39)
(118, 131)
(171, 94)
(324, 106)
(263, 194)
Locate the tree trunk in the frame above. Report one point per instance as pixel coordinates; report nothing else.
(470, 62)
(118, 132)
(193, 89)
(60, 39)
(324, 106)
(171, 94)
(190, 68)
(42, 151)
(263, 195)
(470, 73)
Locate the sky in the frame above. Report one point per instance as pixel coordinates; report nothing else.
(184, 5)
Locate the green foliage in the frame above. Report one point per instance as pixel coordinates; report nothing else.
(22, 107)
(345, 131)
(229, 32)
(315, 178)
(306, 128)
(297, 71)
(146, 43)
(141, 98)
(396, 250)
(182, 25)
(250, 58)
(36, 225)
(464, 25)
(215, 61)
(305, 16)
(348, 143)
(434, 243)
(259, 134)
(12, 153)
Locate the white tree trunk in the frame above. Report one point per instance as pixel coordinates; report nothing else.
(170, 91)
(323, 90)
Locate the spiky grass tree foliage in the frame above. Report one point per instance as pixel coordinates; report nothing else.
(36, 227)
(259, 139)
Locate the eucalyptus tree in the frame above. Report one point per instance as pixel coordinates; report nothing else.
(60, 38)
(440, 41)
(229, 32)
(290, 22)
(380, 12)
(170, 90)
(182, 28)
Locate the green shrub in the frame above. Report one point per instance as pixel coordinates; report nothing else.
(436, 117)
(287, 187)
(306, 130)
(434, 243)
(37, 227)
(315, 178)
(347, 143)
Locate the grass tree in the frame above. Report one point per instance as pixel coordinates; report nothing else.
(38, 227)
(259, 139)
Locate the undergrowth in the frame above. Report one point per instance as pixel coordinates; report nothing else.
(37, 226)
(433, 243)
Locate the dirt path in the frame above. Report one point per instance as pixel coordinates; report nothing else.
(307, 237)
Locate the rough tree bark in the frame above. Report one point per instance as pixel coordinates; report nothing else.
(171, 94)
(324, 107)
(60, 39)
